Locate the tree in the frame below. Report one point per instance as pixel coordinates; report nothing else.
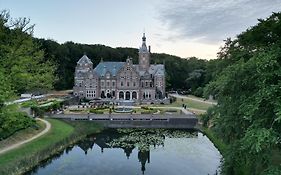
(248, 114)
(21, 60)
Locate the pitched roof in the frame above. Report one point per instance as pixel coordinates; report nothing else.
(154, 69)
(112, 67)
(84, 60)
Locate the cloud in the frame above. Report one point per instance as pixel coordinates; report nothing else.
(212, 21)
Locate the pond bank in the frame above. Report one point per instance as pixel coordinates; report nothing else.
(61, 135)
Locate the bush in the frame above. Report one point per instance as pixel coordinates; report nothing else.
(96, 111)
(198, 92)
(40, 110)
(12, 122)
(29, 103)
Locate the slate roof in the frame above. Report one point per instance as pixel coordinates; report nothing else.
(84, 60)
(112, 67)
(154, 69)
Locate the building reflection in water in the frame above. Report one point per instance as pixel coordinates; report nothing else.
(127, 142)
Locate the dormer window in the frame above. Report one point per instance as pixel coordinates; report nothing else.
(107, 75)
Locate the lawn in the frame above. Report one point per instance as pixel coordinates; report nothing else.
(22, 135)
(58, 132)
(189, 104)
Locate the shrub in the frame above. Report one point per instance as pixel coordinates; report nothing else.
(12, 122)
(96, 111)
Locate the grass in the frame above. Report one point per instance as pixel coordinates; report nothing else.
(219, 144)
(23, 135)
(191, 104)
(61, 135)
(58, 131)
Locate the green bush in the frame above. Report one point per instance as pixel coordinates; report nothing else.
(29, 103)
(40, 110)
(198, 92)
(12, 122)
(96, 111)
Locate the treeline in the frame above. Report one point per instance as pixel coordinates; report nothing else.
(186, 74)
(248, 90)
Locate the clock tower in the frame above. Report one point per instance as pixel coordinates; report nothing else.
(144, 55)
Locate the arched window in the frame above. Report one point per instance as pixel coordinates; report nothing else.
(121, 95)
(134, 95)
(102, 94)
(127, 95)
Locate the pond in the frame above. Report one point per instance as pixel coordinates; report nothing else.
(136, 151)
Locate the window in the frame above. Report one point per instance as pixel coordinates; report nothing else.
(102, 83)
(121, 83)
(134, 84)
(107, 83)
(128, 83)
(150, 84)
(113, 83)
(146, 84)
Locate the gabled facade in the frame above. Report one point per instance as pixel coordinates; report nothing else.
(143, 82)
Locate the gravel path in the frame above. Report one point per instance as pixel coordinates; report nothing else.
(48, 127)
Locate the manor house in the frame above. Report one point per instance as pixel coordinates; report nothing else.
(143, 82)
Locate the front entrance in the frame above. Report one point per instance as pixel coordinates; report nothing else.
(127, 95)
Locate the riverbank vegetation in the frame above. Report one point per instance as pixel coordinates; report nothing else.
(62, 134)
(248, 115)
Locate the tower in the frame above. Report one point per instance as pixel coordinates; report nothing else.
(144, 55)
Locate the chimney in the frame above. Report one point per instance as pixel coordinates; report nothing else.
(149, 49)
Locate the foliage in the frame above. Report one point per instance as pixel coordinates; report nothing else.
(40, 110)
(248, 115)
(12, 121)
(96, 111)
(21, 60)
(22, 68)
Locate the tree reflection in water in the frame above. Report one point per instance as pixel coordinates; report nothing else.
(126, 139)
(129, 139)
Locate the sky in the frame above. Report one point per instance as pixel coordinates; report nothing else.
(184, 28)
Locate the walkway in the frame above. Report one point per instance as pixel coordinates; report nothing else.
(194, 99)
(48, 127)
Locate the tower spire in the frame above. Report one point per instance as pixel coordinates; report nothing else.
(143, 38)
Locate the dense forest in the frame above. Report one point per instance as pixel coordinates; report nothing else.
(245, 79)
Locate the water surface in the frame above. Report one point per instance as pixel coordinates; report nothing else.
(150, 152)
